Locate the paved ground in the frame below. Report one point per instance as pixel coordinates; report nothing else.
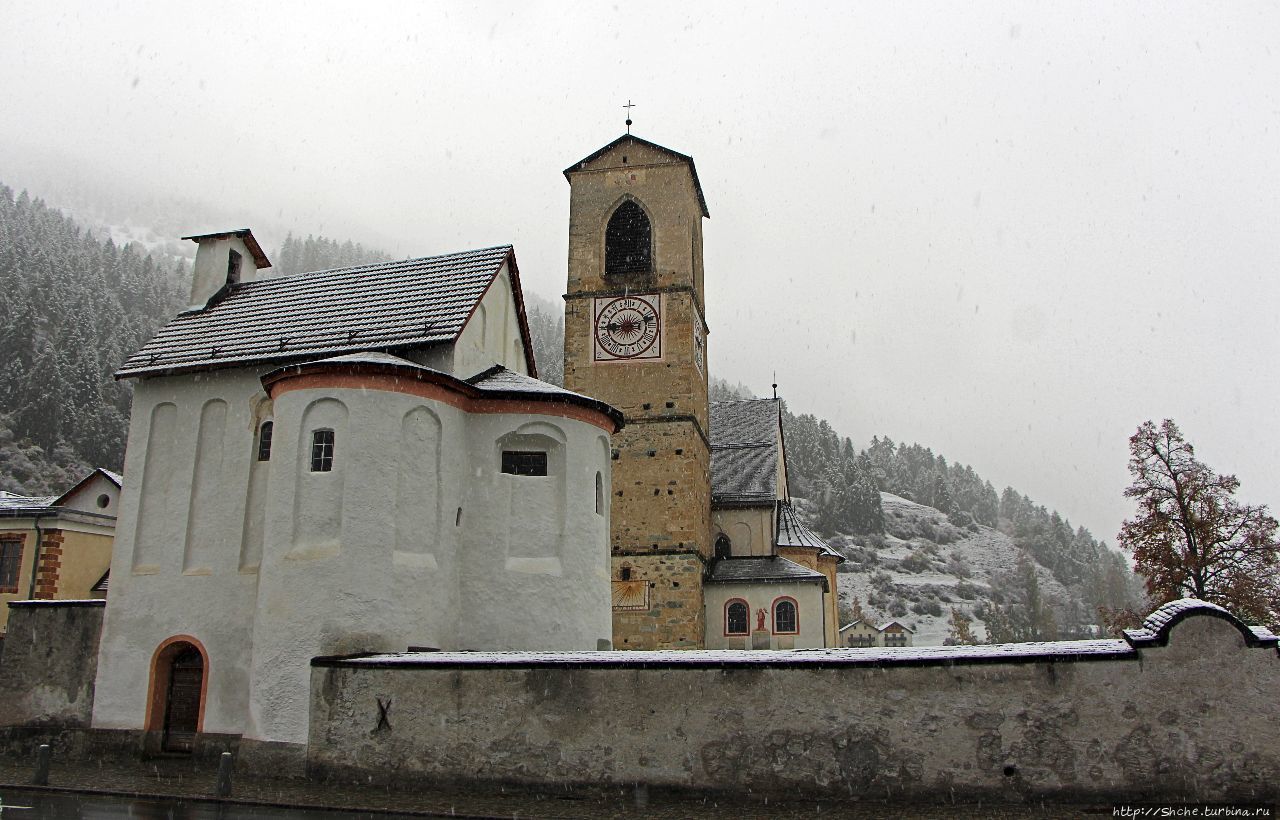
(182, 779)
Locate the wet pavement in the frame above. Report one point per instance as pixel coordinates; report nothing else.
(177, 789)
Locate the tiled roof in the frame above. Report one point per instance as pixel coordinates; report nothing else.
(389, 306)
(744, 451)
(772, 569)
(13, 504)
(792, 532)
(496, 382)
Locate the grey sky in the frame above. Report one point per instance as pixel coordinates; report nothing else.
(1009, 231)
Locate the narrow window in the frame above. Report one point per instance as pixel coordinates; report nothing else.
(321, 451)
(522, 462)
(735, 618)
(233, 268)
(10, 565)
(628, 241)
(264, 442)
(784, 616)
(724, 547)
(599, 494)
(624, 574)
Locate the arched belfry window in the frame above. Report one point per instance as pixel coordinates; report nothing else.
(724, 548)
(628, 240)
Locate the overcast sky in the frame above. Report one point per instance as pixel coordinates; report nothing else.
(1011, 232)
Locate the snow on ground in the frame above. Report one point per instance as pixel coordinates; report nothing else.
(953, 568)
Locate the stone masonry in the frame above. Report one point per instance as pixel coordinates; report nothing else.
(1181, 710)
(661, 487)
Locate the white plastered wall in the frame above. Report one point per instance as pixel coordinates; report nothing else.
(750, 529)
(157, 599)
(808, 598)
(492, 335)
(88, 497)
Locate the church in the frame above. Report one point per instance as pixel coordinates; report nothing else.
(363, 460)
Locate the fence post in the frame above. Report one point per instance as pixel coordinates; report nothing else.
(223, 787)
(43, 755)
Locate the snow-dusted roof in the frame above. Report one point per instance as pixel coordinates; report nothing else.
(496, 382)
(1156, 626)
(852, 624)
(744, 451)
(13, 504)
(899, 624)
(720, 658)
(792, 532)
(388, 306)
(114, 478)
(773, 569)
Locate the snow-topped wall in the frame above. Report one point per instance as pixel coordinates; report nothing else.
(1184, 707)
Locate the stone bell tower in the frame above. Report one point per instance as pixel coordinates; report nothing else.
(635, 337)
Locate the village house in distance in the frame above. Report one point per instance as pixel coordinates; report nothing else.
(57, 547)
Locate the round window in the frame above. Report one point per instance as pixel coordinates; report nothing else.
(103, 501)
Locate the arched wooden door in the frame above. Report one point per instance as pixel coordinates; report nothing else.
(182, 701)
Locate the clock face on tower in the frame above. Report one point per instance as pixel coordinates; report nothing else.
(628, 327)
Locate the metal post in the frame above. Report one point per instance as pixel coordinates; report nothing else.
(223, 787)
(43, 754)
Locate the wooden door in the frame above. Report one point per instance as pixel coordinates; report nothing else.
(182, 708)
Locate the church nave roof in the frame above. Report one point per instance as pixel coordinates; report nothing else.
(387, 306)
(744, 452)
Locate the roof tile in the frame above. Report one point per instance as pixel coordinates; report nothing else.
(414, 302)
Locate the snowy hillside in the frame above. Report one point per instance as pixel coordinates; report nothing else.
(923, 566)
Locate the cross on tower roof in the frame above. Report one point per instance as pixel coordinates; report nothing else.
(630, 105)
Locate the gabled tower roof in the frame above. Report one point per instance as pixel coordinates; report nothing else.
(632, 138)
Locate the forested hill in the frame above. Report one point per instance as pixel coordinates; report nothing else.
(1003, 561)
(318, 253)
(72, 307)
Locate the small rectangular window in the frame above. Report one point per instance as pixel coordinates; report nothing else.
(321, 451)
(264, 441)
(10, 565)
(233, 268)
(518, 462)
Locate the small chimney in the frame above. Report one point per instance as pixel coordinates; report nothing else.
(221, 262)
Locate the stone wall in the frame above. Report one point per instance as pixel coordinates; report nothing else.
(1184, 707)
(671, 616)
(51, 658)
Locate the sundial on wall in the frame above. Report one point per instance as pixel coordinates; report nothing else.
(628, 327)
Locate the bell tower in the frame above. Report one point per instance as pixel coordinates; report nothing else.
(635, 337)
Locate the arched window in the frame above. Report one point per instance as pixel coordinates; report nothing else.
(264, 441)
(786, 620)
(736, 614)
(322, 451)
(599, 493)
(724, 547)
(628, 241)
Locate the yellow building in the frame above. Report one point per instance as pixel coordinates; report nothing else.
(58, 547)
